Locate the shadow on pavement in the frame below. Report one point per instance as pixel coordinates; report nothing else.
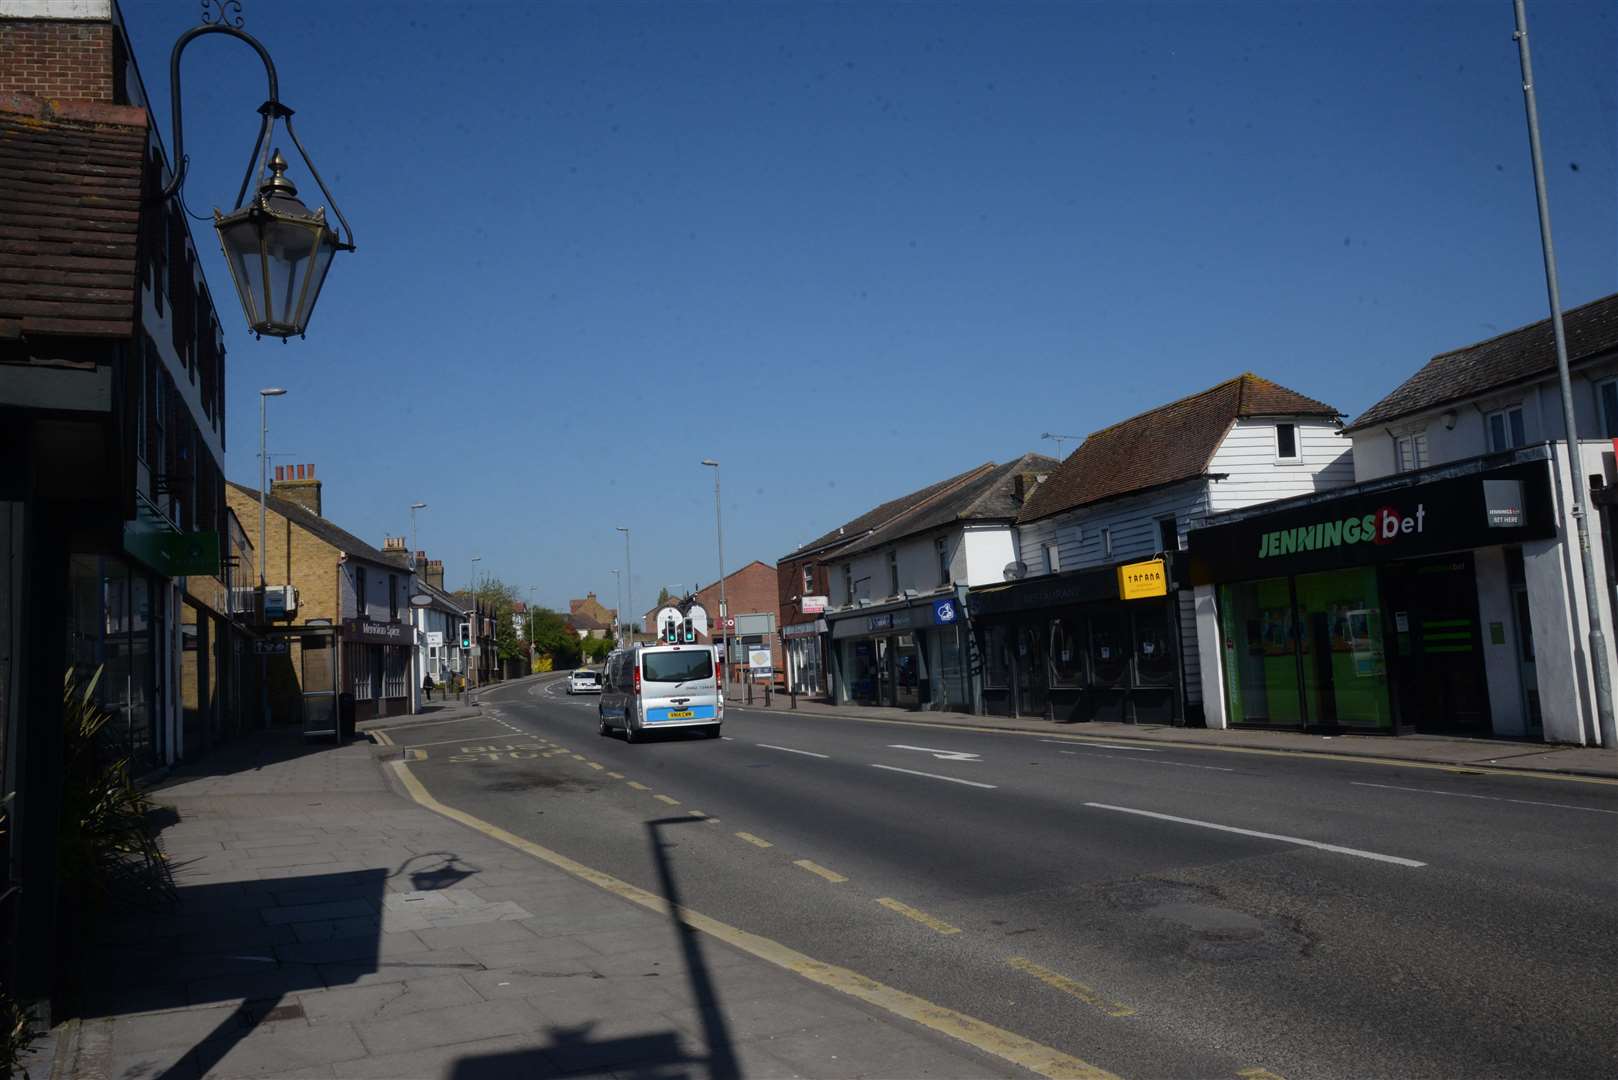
(254, 751)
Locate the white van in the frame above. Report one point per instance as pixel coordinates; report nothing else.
(653, 687)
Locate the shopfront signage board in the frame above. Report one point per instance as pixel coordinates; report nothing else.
(762, 625)
(435, 637)
(271, 647)
(813, 605)
(945, 611)
(376, 633)
(1138, 581)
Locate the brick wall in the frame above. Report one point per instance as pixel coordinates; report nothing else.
(789, 588)
(293, 557)
(752, 590)
(56, 59)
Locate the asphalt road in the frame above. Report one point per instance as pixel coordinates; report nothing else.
(1158, 912)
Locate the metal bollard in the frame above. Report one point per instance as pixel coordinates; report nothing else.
(750, 691)
(793, 695)
(766, 695)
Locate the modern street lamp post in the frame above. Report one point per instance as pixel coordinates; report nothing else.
(277, 250)
(618, 630)
(1607, 729)
(413, 508)
(264, 397)
(629, 575)
(472, 656)
(724, 608)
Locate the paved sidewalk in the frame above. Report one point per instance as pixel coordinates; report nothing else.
(329, 927)
(1431, 749)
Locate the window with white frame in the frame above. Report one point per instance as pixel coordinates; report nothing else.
(893, 572)
(941, 550)
(808, 579)
(1505, 428)
(1607, 407)
(1410, 452)
(1053, 557)
(1286, 442)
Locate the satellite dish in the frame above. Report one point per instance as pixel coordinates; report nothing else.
(1015, 571)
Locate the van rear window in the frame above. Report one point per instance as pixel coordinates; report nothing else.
(676, 666)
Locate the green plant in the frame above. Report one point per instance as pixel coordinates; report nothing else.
(17, 1035)
(106, 849)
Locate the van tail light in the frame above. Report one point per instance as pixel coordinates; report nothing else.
(637, 678)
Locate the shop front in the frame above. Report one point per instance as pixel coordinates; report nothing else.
(1396, 605)
(803, 645)
(913, 654)
(1071, 647)
(376, 666)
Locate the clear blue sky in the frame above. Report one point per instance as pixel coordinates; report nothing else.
(849, 249)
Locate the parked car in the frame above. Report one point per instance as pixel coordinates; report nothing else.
(652, 687)
(584, 682)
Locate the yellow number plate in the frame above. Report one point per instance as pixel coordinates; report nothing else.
(681, 714)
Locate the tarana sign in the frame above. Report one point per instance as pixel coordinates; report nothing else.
(1138, 581)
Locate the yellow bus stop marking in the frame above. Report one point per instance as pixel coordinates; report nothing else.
(1068, 986)
(919, 916)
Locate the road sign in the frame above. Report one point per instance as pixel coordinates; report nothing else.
(759, 664)
(730, 624)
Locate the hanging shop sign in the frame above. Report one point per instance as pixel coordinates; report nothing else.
(1140, 580)
(945, 611)
(1505, 505)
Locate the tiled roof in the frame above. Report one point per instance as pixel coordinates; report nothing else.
(1516, 356)
(71, 172)
(341, 539)
(988, 496)
(1170, 443)
(881, 515)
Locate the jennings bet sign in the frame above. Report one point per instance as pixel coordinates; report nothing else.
(1504, 505)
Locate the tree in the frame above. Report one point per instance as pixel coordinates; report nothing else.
(663, 596)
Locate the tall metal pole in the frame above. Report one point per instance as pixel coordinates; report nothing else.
(618, 631)
(531, 628)
(629, 574)
(264, 397)
(413, 508)
(1592, 595)
(477, 633)
(724, 608)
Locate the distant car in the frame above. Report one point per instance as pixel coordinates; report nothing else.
(584, 682)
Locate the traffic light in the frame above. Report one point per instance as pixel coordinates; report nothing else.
(670, 634)
(466, 635)
(690, 632)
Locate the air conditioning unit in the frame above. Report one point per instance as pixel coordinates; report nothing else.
(280, 601)
(241, 601)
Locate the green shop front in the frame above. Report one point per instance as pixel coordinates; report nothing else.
(1378, 607)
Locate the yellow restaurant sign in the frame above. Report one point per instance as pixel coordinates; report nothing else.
(1139, 580)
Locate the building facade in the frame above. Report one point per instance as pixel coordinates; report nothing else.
(1096, 620)
(1442, 592)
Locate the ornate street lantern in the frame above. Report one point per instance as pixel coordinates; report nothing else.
(277, 249)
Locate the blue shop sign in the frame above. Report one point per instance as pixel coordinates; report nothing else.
(880, 622)
(944, 611)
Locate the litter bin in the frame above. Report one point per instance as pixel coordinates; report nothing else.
(345, 717)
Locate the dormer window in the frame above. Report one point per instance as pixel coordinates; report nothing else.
(1286, 442)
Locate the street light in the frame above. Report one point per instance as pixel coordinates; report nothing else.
(277, 249)
(629, 575)
(724, 609)
(618, 629)
(1606, 725)
(477, 628)
(413, 508)
(531, 589)
(264, 396)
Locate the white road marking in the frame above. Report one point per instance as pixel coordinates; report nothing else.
(1490, 798)
(1103, 746)
(1395, 859)
(941, 755)
(934, 776)
(789, 750)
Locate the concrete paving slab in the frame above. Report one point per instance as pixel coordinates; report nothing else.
(298, 913)
(477, 933)
(445, 1026)
(386, 1001)
(424, 965)
(510, 1056)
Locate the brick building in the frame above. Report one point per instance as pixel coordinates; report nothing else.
(590, 617)
(748, 591)
(341, 582)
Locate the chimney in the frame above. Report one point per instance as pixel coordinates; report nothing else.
(1023, 485)
(393, 545)
(433, 573)
(63, 49)
(297, 484)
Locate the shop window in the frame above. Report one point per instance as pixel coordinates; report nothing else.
(1505, 429)
(1154, 654)
(997, 657)
(1410, 452)
(1053, 557)
(941, 552)
(1109, 648)
(1261, 667)
(1066, 653)
(1607, 406)
(1345, 677)
(1286, 442)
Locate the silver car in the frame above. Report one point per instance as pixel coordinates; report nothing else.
(656, 687)
(584, 682)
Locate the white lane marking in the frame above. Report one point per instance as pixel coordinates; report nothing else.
(727, 738)
(1395, 859)
(941, 755)
(934, 776)
(1149, 761)
(789, 750)
(1490, 798)
(1103, 746)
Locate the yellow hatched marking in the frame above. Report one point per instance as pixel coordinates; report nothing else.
(415, 755)
(920, 916)
(615, 775)
(666, 799)
(1259, 1074)
(820, 871)
(1068, 986)
(578, 757)
(754, 840)
(638, 786)
(381, 737)
(696, 813)
(1006, 1045)
(595, 765)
